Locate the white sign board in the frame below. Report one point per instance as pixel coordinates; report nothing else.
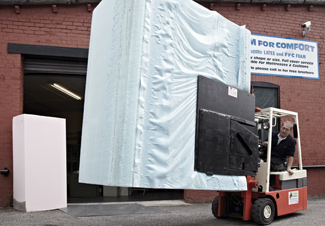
(279, 56)
(232, 91)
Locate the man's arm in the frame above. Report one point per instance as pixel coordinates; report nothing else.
(290, 162)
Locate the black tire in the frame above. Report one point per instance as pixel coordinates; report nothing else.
(214, 207)
(263, 211)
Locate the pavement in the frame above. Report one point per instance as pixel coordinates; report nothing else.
(175, 212)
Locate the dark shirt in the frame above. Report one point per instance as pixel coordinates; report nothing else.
(285, 148)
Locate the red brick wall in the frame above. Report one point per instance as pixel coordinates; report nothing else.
(297, 94)
(70, 27)
(36, 25)
(11, 103)
(304, 96)
(199, 196)
(315, 181)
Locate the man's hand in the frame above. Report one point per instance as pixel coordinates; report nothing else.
(265, 143)
(290, 161)
(290, 171)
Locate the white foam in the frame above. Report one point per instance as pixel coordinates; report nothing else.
(140, 106)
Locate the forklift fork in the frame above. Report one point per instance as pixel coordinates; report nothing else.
(224, 205)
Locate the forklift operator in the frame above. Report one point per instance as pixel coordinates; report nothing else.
(283, 147)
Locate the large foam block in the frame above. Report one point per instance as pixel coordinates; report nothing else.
(39, 163)
(141, 91)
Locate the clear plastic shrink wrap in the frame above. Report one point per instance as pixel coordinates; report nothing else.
(140, 102)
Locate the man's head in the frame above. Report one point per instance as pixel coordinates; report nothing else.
(286, 128)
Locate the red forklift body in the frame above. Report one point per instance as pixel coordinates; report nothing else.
(289, 201)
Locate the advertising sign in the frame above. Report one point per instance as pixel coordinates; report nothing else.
(293, 197)
(279, 56)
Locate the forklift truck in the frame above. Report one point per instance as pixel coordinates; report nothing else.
(269, 194)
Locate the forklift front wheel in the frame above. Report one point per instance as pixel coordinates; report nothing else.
(214, 208)
(263, 211)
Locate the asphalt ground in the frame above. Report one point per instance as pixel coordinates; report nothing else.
(161, 213)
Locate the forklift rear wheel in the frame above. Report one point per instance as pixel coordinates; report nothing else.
(263, 211)
(214, 207)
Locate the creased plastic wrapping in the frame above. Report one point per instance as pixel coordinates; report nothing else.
(140, 103)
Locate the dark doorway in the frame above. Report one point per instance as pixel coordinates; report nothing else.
(266, 94)
(41, 98)
(47, 83)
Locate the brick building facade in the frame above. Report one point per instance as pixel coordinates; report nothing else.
(63, 26)
(296, 94)
(69, 26)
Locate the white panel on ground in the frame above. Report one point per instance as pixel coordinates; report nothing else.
(39, 163)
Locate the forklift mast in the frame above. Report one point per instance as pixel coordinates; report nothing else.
(271, 115)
